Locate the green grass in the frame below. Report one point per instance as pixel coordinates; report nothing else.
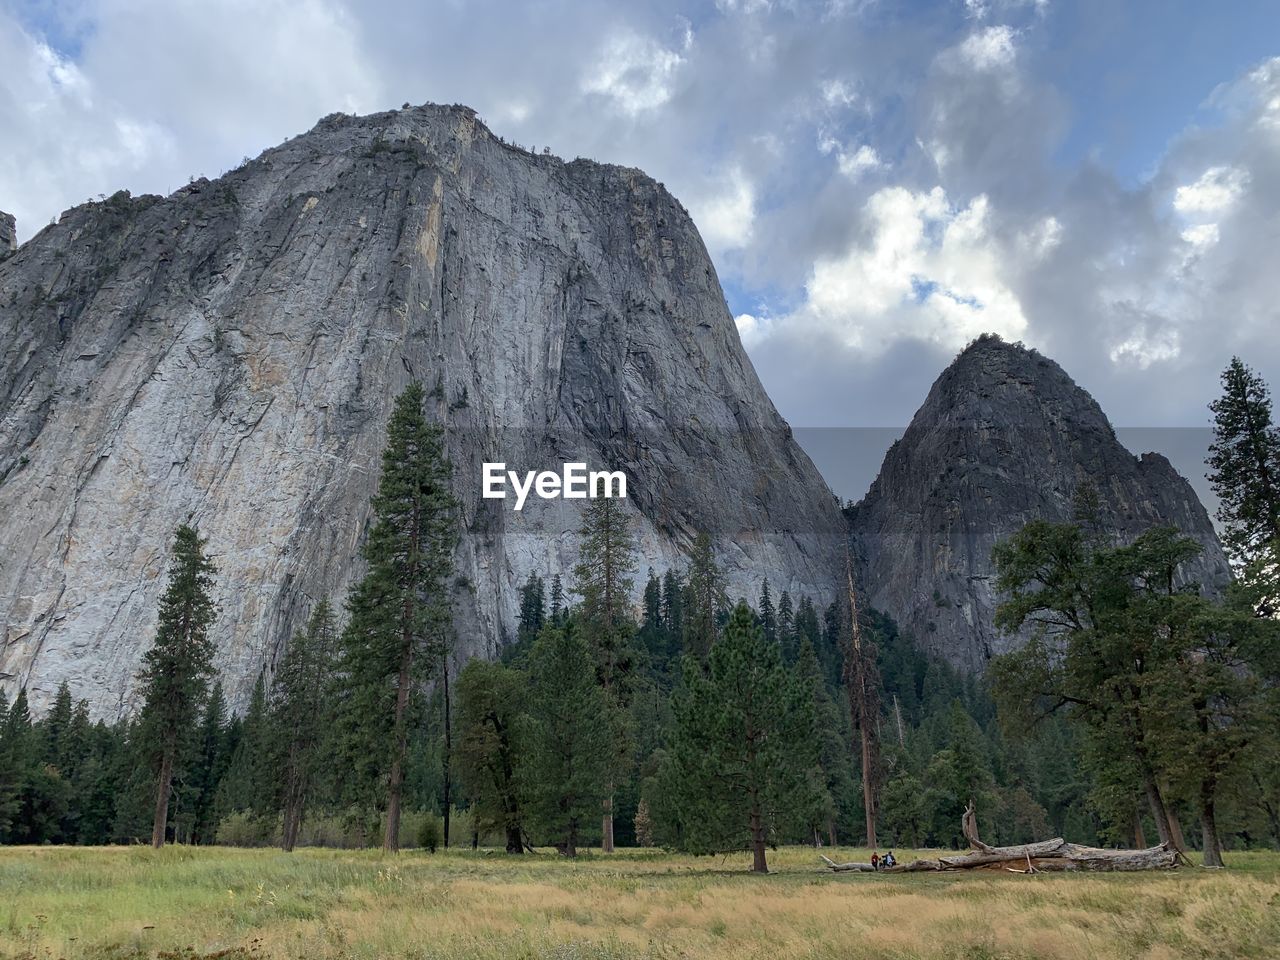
(182, 902)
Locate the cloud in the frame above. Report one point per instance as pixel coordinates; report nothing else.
(989, 49)
(1217, 189)
(946, 195)
(726, 218)
(927, 269)
(162, 91)
(853, 163)
(636, 72)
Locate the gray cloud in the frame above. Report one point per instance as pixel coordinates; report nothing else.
(876, 184)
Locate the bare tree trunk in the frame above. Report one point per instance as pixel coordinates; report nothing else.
(448, 750)
(831, 831)
(1139, 835)
(860, 686)
(758, 864)
(1209, 828)
(515, 842)
(1175, 830)
(571, 840)
(606, 828)
(868, 788)
(391, 838)
(164, 786)
(1158, 811)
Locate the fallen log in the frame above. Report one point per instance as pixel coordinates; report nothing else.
(855, 866)
(1030, 858)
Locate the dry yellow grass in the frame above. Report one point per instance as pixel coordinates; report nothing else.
(185, 902)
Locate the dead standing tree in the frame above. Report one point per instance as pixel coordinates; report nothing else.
(862, 685)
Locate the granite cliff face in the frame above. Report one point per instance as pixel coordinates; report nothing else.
(228, 355)
(1004, 437)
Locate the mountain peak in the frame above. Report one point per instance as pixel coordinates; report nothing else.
(1004, 437)
(228, 356)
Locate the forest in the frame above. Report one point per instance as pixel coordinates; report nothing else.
(1140, 708)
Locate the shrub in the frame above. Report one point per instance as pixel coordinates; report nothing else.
(247, 829)
(430, 832)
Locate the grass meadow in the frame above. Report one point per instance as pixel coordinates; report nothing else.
(186, 902)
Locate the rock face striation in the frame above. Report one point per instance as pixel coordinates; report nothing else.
(1004, 437)
(228, 356)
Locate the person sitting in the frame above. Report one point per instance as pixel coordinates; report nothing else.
(889, 860)
(875, 861)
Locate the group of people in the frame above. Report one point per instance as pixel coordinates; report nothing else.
(883, 863)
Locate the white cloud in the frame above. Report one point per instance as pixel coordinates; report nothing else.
(858, 162)
(839, 93)
(929, 271)
(1202, 235)
(726, 218)
(991, 48)
(1145, 346)
(853, 163)
(159, 92)
(637, 72)
(1042, 239)
(751, 328)
(1217, 189)
(744, 6)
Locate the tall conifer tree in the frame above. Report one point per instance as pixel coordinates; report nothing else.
(744, 748)
(301, 711)
(399, 625)
(705, 599)
(602, 579)
(572, 743)
(1244, 468)
(176, 670)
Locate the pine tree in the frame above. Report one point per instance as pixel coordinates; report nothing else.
(533, 607)
(652, 629)
(572, 736)
(39, 796)
(300, 713)
(214, 756)
(56, 730)
(250, 783)
(399, 614)
(673, 612)
(705, 599)
(10, 783)
(768, 615)
(786, 621)
(491, 701)
(836, 787)
(743, 746)
(556, 610)
(175, 671)
(602, 578)
(1244, 468)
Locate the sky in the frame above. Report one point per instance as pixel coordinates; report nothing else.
(877, 182)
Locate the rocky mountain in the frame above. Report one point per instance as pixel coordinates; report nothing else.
(8, 233)
(1005, 436)
(228, 355)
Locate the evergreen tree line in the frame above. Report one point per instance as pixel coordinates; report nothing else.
(1140, 708)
